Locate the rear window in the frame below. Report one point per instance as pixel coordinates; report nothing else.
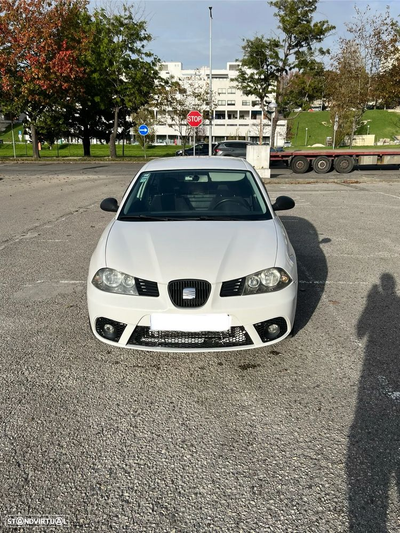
(235, 145)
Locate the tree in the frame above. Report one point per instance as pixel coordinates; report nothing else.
(258, 71)
(377, 38)
(127, 71)
(348, 89)
(174, 100)
(41, 44)
(300, 89)
(364, 70)
(293, 50)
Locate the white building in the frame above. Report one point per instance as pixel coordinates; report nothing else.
(236, 116)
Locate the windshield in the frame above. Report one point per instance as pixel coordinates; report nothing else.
(195, 195)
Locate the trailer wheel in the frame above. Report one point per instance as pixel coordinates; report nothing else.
(300, 164)
(322, 164)
(344, 164)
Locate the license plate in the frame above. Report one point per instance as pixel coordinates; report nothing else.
(168, 322)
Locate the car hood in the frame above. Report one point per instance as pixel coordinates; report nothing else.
(215, 251)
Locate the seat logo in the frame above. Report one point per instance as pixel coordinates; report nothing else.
(189, 293)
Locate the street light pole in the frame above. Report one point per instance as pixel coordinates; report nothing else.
(210, 95)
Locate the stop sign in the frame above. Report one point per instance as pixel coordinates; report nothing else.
(194, 119)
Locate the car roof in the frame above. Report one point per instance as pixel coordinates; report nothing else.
(196, 163)
(235, 142)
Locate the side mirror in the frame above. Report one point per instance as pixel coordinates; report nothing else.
(109, 204)
(282, 203)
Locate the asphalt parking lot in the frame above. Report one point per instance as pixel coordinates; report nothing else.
(303, 436)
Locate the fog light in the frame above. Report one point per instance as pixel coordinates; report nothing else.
(273, 331)
(109, 331)
(273, 328)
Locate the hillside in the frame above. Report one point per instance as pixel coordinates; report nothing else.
(383, 124)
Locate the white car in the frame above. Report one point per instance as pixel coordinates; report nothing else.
(195, 259)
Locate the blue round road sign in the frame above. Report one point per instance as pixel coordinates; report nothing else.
(143, 129)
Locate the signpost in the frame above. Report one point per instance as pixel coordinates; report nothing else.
(194, 119)
(143, 130)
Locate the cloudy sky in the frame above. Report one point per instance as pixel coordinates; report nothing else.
(181, 28)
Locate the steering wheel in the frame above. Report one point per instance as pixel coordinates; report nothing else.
(237, 201)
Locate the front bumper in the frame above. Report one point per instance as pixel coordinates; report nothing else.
(250, 316)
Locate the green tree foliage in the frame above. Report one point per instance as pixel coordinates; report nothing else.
(41, 44)
(84, 72)
(294, 50)
(301, 89)
(348, 89)
(126, 69)
(364, 71)
(259, 71)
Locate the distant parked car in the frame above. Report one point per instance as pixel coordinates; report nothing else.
(277, 149)
(232, 148)
(201, 149)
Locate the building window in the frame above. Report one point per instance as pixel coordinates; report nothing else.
(245, 102)
(221, 102)
(221, 91)
(231, 90)
(231, 102)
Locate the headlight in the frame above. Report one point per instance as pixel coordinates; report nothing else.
(268, 280)
(110, 280)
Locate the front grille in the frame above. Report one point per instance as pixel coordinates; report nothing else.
(202, 292)
(262, 329)
(236, 336)
(146, 288)
(234, 287)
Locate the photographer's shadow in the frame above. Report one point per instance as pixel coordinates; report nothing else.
(312, 267)
(373, 459)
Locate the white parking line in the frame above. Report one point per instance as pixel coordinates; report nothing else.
(345, 326)
(386, 194)
(316, 282)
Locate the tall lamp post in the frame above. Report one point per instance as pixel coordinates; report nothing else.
(210, 95)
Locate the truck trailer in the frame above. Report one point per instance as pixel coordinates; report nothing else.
(343, 161)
